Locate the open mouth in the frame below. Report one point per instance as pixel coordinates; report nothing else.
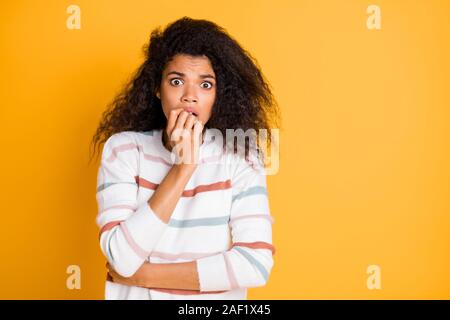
(192, 112)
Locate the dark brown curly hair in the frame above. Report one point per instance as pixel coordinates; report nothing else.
(243, 97)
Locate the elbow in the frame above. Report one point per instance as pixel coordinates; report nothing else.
(261, 274)
(255, 281)
(256, 266)
(262, 280)
(123, 262)
(122, 266)
(124, 270)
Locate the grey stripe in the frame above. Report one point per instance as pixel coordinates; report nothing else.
(255, 262)
(108, 184)
(249, 192)
(189, 223)
(108, 249)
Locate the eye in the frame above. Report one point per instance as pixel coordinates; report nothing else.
(176, 82)
(208, 85)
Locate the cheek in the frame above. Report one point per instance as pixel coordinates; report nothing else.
(209, 103)
(168, 100)
(165, 109)
(209, 99)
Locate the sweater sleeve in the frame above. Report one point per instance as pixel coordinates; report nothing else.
(128, 231)
(249, 261)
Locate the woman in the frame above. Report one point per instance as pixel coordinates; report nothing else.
(181, 214)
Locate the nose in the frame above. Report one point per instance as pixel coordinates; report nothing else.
(189, 99)
(189, 96)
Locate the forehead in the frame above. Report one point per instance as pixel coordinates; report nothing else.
(189, 64)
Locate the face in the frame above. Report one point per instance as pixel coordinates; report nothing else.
(188, 82)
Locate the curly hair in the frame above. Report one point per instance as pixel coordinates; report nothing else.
(243, 99)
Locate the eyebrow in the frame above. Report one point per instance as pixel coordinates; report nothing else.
(181, 74)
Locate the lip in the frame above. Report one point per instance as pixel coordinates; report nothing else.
(191, 110)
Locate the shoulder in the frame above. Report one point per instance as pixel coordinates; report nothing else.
(129, 139)
(120, 141)
(121, 138)
(123, 144)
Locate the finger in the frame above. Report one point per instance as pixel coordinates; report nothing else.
(196, 140)
(198, 128)
(190, 121)
(173, 116)
(115, 275)
(178, 130)
(181, 120)
(117, 278)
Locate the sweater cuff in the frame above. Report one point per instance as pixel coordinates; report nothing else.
(212, 273)
(144, 229)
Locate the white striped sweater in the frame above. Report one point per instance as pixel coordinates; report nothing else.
(222, 220)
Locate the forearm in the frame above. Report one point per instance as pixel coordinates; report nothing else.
(128, 242)
(166, 196)
(182, 276)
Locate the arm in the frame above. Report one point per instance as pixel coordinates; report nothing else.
(181, 276)
(166, 196)
(247, 264)
(249, 261)
(129, 233)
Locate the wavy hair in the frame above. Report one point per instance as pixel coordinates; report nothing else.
(243, 97)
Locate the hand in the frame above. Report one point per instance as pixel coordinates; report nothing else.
(185, 132)
(137, 280)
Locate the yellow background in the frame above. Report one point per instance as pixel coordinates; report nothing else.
(364, 173)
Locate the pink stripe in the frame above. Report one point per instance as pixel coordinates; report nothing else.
(140, 252)
(250, 216)
(149, 157)
(220, 185)
(183, 255)
(109, 226)
(121, 148)
(155, 159)
(230, 272)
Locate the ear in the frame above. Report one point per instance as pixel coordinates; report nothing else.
(158, 95)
